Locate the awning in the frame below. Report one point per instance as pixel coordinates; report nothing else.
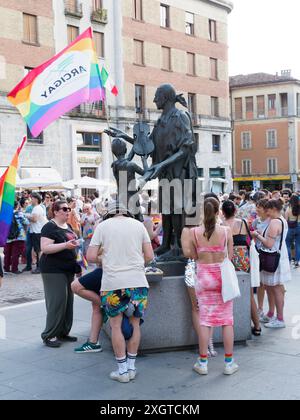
(219, 180)
(264, 178)
(45, 173)
(3, 169)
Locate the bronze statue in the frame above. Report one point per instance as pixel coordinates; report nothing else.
(173, 158)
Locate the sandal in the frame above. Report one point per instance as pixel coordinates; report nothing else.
(256, 332)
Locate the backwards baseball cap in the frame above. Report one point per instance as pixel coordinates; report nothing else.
(117, 208)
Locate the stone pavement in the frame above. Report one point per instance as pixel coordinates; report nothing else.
(270, 366)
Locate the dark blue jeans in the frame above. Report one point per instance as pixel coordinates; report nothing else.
(28, 251)
(293, 237)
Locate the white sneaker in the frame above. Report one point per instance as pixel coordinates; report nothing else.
(267, 320)
(201, 368)
(230, 368)
(275, 324)
(116, 376)
(132, 374)
(261, 315)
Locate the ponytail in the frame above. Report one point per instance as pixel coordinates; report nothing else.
(181, 99)
(211, 209)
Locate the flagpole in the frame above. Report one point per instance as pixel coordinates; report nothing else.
(22, 144)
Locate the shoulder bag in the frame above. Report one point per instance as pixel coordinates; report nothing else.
(269, 261)
(230, 283)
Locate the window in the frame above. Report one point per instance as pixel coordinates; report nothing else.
(247, 167)
(217, 173)
(139, 52)
(192, 104)
(166, 58)
(271, 102)
(191, 60)
(164, 16)
(212, 30)
(246, 140)
(138, 9)
(260, 106)
(73, 32)
(284, 104)
(99, 43)
(89, 141)
(30, 33)
(200, 172)
(271, 139)
(272, 166)
(238, 106)
(189, 23)
(90, 172)
(249, 104)
(97, 5)
(216, 143)
(213, 68)
(139, 98)
(35, 140)
(214, 106)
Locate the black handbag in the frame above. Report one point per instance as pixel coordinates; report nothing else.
(269, 261)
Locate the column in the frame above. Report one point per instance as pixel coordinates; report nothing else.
(105, 171)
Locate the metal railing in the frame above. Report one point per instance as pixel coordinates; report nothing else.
(94, 110)
(73, 8)
(284, 111)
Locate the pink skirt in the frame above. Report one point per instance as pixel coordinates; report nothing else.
(213, 312)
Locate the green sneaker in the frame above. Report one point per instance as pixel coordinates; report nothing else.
(89, 348)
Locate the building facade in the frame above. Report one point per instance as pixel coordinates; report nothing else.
(266, 115)
(143, 43)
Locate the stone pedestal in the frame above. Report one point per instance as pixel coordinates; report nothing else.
(168, 321)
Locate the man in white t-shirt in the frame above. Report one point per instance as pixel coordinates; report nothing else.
(37, 221)
(125, 247)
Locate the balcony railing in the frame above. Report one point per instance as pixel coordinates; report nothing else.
(99, 16)
(95, 110)
(73, 8)
(284, 112)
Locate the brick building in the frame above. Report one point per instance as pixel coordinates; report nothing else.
(143, 44)
(266, 115)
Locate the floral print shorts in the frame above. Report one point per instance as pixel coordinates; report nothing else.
(116, 302)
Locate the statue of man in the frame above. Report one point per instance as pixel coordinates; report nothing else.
(173, 158)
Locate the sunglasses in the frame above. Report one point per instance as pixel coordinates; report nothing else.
(65, 209)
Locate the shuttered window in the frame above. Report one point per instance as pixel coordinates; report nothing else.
(73, 32)
(139, 52)
(238, 106)
(213, 68)
(191, 59)
(99, 43)
(166, 58)
(30, 34)
(138, 9)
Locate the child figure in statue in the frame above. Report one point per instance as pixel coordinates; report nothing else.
(124, 171)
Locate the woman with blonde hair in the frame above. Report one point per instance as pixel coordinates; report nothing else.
(208, 245)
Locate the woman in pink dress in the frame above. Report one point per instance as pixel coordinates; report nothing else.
(208, 245)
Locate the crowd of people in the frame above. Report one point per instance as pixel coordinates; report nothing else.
(57, 233)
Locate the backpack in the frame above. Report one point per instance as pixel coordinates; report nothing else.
(14, 229)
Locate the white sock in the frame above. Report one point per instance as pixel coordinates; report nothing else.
(122, 365)
(131, 358)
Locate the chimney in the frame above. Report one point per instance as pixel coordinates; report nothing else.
(286, 73)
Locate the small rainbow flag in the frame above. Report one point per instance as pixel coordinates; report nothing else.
(65, 81)
(7, 195)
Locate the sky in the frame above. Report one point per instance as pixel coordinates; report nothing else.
(264, 36)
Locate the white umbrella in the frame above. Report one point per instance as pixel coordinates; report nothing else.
(41, 184)
(90, 183)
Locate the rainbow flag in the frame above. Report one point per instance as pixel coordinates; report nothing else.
(59, 85)
(7, 195)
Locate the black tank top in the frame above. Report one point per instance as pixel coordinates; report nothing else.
(241, 240)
